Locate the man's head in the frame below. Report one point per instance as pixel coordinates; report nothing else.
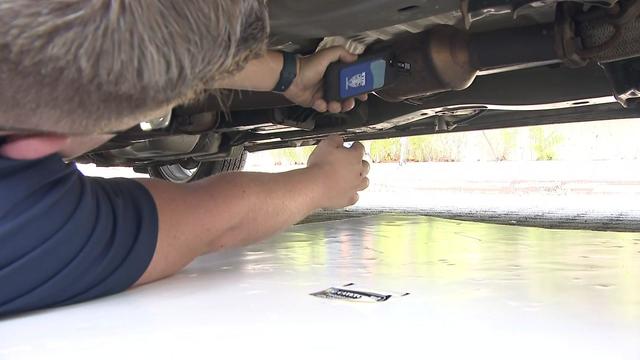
(90, 66)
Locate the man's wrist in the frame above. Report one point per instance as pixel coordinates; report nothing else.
(320, 185)
(288, 73)
(260, 74)
(314, 179)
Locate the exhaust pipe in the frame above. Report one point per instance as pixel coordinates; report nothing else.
(450, 59)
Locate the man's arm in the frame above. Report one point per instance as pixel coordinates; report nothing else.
(262, 74)
(240, 208)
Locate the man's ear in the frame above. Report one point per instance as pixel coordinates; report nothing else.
(32, 146)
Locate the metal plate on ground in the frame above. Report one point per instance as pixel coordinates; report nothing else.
(476, 291)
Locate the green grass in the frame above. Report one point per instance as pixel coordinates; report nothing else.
(291, 156)
(497, 145)
(501, 143)
(384, 150)
(422, 148)
(544, 142)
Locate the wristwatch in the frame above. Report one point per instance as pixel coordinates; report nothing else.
(288, 73)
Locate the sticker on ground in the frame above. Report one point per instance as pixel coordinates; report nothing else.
(349, 292)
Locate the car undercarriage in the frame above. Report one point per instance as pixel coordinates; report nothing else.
(475, 65)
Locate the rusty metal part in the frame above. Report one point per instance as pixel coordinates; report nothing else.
(611, 34)
(606, 42)
(566, 41)
(605, 35)
(446, 58)
(442, 63)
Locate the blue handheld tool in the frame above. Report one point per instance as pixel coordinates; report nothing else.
(368, 74)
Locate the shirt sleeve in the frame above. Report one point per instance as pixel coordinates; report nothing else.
(66, 238)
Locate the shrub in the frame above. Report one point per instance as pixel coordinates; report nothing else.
(441, 147)
(385, 150)
(502, 143)
(291, 156)
(544, 143)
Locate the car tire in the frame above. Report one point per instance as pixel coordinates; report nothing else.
(180, 174)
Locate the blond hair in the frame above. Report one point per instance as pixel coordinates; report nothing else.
(98, 65)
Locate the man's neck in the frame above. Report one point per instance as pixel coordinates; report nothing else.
(30, 147)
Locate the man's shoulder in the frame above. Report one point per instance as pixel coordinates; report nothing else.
(65, 237)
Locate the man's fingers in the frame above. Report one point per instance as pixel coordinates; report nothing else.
(363, 97)
(336, 53)
(348, 105)
(358, 148)
(365, 168)
(334, 140)
(363, 184)
(345, 56)
(320, 105)
(335, 107)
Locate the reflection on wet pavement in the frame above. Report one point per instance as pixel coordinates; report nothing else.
(544, 267)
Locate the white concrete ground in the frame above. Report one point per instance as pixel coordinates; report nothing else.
(444, 289)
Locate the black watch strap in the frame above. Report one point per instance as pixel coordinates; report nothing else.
(288, 73)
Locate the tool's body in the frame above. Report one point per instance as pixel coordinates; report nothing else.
(369, 73)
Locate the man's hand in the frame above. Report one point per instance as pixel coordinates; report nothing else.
(342, 171)
(307, 88)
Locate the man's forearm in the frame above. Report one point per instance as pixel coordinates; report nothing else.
(225, 211)
(258, 205)
(260, 74)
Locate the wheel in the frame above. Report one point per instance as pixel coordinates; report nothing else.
(188, 171)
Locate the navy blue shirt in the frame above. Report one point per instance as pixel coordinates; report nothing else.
(66, 238)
